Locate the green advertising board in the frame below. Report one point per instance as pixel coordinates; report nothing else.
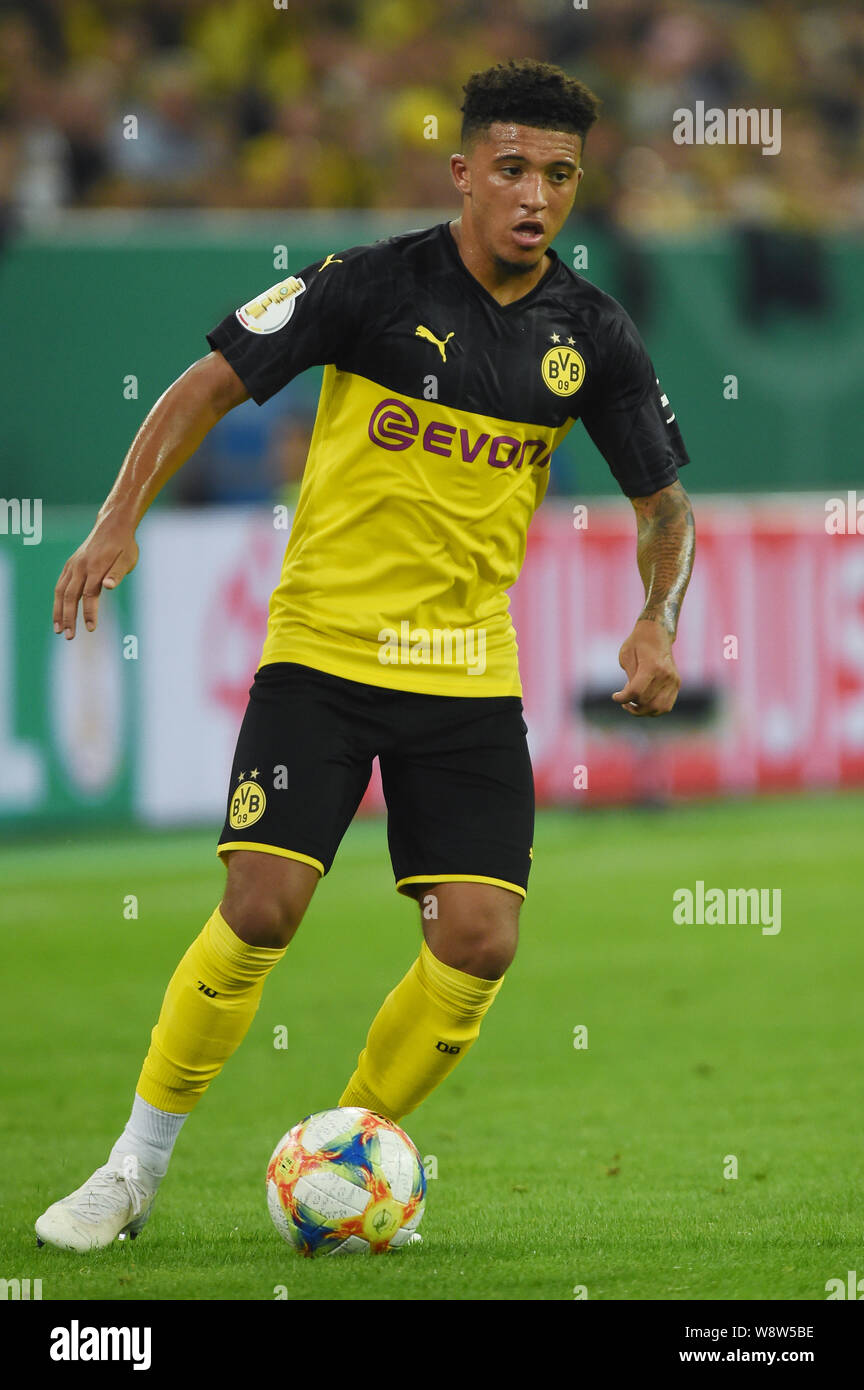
(114, 312)
(67, 708)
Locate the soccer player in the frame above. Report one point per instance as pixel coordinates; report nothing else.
(455, 360)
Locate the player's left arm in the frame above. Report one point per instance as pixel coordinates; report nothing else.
(664, 551)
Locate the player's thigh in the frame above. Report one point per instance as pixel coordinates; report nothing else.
(300, 768)
(460, 803)
(266, 896)
(473, 927)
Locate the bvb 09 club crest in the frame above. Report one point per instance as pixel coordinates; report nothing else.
(248, 803)
(563, 370)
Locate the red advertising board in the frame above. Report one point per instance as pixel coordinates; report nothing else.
(770, 650)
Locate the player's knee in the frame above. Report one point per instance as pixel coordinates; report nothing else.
(265, 898)
(484, 948)
(488, 957)
(270, 924)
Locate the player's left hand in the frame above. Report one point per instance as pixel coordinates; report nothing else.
(653, 681)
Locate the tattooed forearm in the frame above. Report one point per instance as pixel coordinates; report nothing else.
(664, 552)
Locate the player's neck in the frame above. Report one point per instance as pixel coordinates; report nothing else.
(504, 285)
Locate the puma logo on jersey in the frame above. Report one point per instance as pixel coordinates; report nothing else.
(331, 260)
(422, 332)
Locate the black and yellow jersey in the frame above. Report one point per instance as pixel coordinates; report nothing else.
(438, 414)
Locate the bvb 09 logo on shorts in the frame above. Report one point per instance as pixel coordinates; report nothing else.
(248, 803)
(563, 370)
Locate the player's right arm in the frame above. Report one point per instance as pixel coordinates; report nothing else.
(170, 434)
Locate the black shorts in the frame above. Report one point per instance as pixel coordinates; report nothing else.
(455, 771)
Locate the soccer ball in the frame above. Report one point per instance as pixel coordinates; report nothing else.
(345, 1181)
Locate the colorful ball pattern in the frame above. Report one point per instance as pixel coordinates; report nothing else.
(346, 1181)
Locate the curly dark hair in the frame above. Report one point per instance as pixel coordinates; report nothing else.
(526, 92)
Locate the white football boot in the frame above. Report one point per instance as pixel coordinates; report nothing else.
(113, 1202)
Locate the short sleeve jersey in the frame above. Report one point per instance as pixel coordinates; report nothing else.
(438, 414)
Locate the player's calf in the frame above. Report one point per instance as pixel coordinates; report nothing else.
(432, 1018)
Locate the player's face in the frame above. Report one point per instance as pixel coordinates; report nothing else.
(521, 182)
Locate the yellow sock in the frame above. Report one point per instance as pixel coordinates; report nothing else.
(423, 1028)
(198, 1029)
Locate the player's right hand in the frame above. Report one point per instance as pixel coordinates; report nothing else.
(109, 553)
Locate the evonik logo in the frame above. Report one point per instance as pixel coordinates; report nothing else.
(394, 425)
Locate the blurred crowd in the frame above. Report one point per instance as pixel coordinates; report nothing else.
(325, 104)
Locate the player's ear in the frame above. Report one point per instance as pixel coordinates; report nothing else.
(460, 172)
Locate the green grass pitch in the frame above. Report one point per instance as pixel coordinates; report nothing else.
(558, 1166)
